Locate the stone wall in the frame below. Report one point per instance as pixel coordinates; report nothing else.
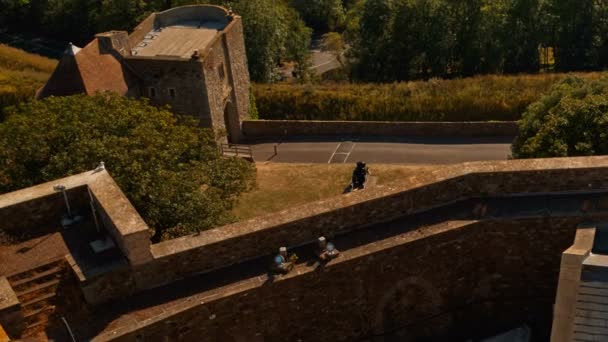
(141, 30)
(41, 215)
(227, 81)
(114, 282)
(458, 279)
(260, 129)
(234, 42)
(192, 13)
(185, 77)
(11, 317)
(234, 243)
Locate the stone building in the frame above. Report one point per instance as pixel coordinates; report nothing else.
(191, 58)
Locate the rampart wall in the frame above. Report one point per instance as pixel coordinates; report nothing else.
(462, 279)
(220, 247)
(32, 217)
(260, 129)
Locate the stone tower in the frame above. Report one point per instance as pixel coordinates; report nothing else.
(191, 58)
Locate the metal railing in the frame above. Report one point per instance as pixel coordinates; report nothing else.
(231, 150)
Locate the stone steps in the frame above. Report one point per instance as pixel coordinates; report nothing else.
(37, 289)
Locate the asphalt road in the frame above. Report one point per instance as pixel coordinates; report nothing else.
(413, 151)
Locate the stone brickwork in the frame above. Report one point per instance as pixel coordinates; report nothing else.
(191, 58)
(453, 279)
(261, 129)
(31, 217)
(453, 274)
(230, 244)
(10, 309)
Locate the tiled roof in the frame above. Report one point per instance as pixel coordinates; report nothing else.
(88, 71)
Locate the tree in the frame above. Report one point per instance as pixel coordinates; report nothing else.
(333, 43)
(521, 37)
(322, 15)
(274, 33)
(373, 43)
(167, 166)
(574, 33)
(572, 120)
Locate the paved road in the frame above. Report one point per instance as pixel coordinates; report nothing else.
(323, 62)
(414, 151)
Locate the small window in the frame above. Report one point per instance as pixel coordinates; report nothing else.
(172, 93)
(152, 92)
(221, 72)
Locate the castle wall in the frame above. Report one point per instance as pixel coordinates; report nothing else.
(141, 30)
(192, 13)
(457, 279)
(227, 81)
(234, 43)
(187, 80)
(31, 217)
(223, 246)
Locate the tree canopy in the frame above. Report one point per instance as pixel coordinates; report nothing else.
(571, 120)
(168, 167)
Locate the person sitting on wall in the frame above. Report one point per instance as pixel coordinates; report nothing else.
(326, 251)
(360, 175)
(283, 263)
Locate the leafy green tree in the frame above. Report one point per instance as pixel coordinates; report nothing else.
(521, 37)
(322, 15)
(572, 120)
(119, 14)
(168, 167)
(574, 33)
(372, 48)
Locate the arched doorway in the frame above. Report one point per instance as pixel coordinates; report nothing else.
(399, 310)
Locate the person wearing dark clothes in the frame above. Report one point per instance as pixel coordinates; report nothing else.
(359, 175)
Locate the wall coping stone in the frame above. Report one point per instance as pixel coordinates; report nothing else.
(416, 181)
(109, 196)
(8, 298)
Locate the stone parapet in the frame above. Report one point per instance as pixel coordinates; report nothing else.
(224, 246)
(11, 317)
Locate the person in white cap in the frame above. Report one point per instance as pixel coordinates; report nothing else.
(326, 251)
(283, 264)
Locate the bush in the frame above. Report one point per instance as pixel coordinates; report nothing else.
(168, 167)
(571, 120)
(484, 98)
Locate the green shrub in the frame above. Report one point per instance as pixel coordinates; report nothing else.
(484, 98)
(571, 120)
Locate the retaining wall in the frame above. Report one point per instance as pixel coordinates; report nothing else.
(259, 129)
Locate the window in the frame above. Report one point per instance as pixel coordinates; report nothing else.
(172, 93)
(152, 92)
(221, 72)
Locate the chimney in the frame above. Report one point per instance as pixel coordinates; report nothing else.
(114, 41)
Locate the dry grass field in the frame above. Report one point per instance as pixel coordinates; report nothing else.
(282, 186)
(21, 74)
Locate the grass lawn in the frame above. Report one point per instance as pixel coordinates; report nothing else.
(282, 186)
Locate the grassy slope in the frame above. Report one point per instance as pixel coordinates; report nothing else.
(21, 74)
(282, 186)
(480, 98)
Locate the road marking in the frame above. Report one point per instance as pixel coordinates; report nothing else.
(333, 154)
(349, 152)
